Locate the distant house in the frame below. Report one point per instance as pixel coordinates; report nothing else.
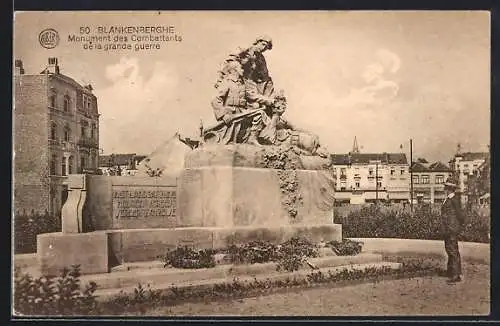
(428, 181)
(465, 165)
(120, 164)
(368, 177)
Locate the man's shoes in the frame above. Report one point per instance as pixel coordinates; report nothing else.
(455, 279)
(443, 273)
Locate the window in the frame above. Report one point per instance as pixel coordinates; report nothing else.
(66, 103)
(63, 166)
(82, 131)
(393, 171)
(53, 163)
(357, 184)
(70, 165)
(439, 179)
(342, 171)
(425, 179)
(370, 171)
(403, 171)
(87, 102)
(416, 179)
(52, 100)
(379, 184)
(92, 131)
(67, 134)
(466, 165)
(53, 131)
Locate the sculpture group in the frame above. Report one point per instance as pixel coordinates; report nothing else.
(249, 110)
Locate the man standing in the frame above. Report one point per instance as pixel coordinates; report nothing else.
(453, 221)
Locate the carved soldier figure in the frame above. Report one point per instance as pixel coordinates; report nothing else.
(255, 65)
(234, 96)
(233, 56)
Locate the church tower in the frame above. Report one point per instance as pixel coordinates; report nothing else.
(355, 148)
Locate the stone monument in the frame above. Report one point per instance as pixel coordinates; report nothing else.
(251, 176)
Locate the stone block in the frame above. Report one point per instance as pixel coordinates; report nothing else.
(116, 202)
(224, 237)
(148, 244)
(76, 181)
(58, 250)
(234, 196)
(72, 211)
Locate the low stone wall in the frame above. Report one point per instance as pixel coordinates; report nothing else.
(469, 251)
(97, 252)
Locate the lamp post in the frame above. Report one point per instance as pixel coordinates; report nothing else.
(376, 183)
(411, 175)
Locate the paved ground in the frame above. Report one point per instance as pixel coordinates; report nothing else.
(419, 296)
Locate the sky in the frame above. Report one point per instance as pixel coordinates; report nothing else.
(384, 77)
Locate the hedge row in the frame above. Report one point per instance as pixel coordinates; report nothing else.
(423, 223)
(49, 296)
(28, 225)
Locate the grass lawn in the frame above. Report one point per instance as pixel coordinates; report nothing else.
(417, 296)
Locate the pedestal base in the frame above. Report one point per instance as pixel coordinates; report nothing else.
(56, 251)
(238, 196)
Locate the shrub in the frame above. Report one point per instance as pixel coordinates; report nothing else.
(289, 255)
(185, 257)
(345, 247)
(293, 253)
(51, 296)
(424, 223)
(28, 225)
(252, 252)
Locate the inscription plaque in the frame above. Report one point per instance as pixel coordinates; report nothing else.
(142, 202)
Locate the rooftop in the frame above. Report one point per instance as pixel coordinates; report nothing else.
(119, 159)
(471, 156)
(430, 167)
(365, 158)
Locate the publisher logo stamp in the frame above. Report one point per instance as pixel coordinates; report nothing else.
(49, 38)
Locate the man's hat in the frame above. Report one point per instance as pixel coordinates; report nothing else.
(266, 39)
(451, 183)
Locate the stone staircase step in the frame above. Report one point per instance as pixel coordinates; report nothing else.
(108, 293)
(152, 274)
(137, 265)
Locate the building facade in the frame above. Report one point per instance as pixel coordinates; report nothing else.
(56, 133)
(370, 177)
(466, 165)
(120, 164)
(428, 181)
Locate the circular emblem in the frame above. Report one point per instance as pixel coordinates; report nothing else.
(49, 38)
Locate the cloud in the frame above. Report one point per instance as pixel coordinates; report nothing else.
(379, 88)
(134, 108)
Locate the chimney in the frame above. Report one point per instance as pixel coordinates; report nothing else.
(53, 67)
(19, 70)
(89, 87)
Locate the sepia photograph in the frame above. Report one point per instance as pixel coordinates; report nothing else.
(251, 163)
